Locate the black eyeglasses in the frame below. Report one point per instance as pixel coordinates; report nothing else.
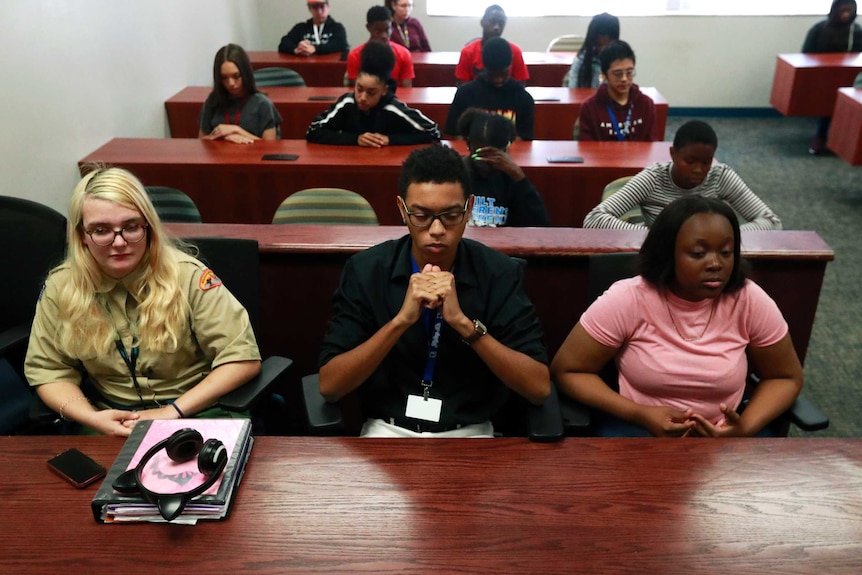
(423, 220)
(132, 233)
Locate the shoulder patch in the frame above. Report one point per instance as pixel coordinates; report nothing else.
(208, 280)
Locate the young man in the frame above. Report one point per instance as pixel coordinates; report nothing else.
(690, 171)
(371, 115)
(379, 24)
(618, 111)
(496, 91)
(434, 330)
(471, 60)
(320, 34)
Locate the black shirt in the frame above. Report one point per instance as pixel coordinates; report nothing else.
(501, 201)
(511, 100)
(333, 39)
(490, 288)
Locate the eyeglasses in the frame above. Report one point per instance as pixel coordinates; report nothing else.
(132, 233)
(618, 74)
(423, 220)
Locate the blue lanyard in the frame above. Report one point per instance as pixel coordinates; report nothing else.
(620, 134)
(433, 340)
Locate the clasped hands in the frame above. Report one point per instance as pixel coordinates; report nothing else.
(434, 289)
(672, 422)
(373, 140)
(231, 133)
(305, 48)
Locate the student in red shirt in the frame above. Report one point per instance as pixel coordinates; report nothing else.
(470, 63)
(379, 24)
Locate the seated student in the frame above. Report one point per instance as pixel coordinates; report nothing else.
(618, 111)
(320, 34)
(682, 335)
(379, 25)
(690, 171)
(502, 194)
(371, 115)
(156, 332)
(586, 70)
(495, 91)
(407, 30)
(472, 55)
(410, 316)
(837, 33)
(235, 110)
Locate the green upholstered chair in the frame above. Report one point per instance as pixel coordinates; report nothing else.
(330, 206)
(268, 77)
(634, 215)
(173, 206)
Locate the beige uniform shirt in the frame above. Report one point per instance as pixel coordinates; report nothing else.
(220, 333)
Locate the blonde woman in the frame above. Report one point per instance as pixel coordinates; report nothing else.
(152, 327)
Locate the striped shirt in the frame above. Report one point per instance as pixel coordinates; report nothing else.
(653, 188)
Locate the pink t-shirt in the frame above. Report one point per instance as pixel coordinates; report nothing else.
(403, 69)
(659, 367)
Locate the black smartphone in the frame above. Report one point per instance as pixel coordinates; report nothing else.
(565, 160)
(282, 157)
(76, 468)
(322, 98)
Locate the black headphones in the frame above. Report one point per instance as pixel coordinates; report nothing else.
(184, 445)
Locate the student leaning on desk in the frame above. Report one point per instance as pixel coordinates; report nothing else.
(154, 329)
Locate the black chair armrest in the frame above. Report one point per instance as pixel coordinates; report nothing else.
(243, 398)
(807, 416)
(13, 337)
(577, 417)
(545, 422)
(324, 418)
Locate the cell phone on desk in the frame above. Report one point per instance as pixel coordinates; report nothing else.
(565, 160)
(76, 468)
(280, 157)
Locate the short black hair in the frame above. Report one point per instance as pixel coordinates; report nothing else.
(616, 50)
(377, 59)
(484, 128)
(496, 54)
(437, 164)
(378, 14)
(657, 260)
(493, 8)
(695, 132)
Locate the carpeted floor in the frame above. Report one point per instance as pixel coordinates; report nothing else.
(810, 193)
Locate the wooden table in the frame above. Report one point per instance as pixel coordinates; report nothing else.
(231, 183)
(352, 505)
(301, 265)
(555, 113)
(432, 68)
(806, 84)
(845, 132)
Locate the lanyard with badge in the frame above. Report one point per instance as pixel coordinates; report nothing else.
(318, 33)
(130, 359)
(405, 34)
(424, 406)
(238, 113)
(621, 135)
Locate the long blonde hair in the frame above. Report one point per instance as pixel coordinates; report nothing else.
(85, 328)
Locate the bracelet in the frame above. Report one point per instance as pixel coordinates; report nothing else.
(180, 411)
(67, 402)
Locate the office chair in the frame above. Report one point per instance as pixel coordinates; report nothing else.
(634, 215)
(275, 76)
(566, 43)
(173, 206)
(33, 237)
(330, 206)
(578, 420)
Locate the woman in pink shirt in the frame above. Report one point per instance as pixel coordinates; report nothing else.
(682, 334)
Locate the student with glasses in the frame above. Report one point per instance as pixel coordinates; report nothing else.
(433, 331)
(406, 30)
(618, 111)
(155, 331)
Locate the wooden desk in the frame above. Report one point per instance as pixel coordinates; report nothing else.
(301, 265)
(555, 114)
(806, 84)
(845, 132)
(432, 68)
(351, 505)
(231, 183)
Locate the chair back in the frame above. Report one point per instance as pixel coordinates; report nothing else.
(268, 77)
(173, 206)
(634, 215)
(33, 237)
(329, 206)
(16, 398)
(237, 263)
(566, 43)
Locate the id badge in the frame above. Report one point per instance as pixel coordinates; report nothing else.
(420, 408)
